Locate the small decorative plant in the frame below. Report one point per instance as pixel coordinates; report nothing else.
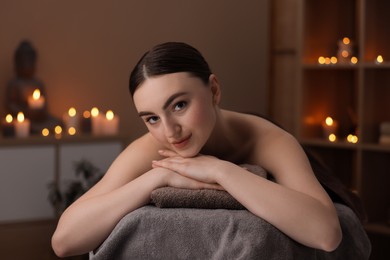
(61, 195)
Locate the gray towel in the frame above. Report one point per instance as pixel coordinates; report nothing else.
(169, 197)
(158, 233)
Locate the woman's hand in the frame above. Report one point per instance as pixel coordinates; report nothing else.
(201, 168)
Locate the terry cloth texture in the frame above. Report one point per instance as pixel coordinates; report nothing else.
(186, 233)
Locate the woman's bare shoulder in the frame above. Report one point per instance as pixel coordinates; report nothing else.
(255, 126)
(138, 155)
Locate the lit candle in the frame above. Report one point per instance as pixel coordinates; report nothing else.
(45, 132)
(7, 126)
(329, 127)
(111, 123)
(58, 131)
(332, 138)
(352, 139)
(71, 120)
(379, 59)
(36, 101)
(97, 121)
(344, 51)
(354, 60)
(321, 60)
(22, 126)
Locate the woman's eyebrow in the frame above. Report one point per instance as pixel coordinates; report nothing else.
(166, 104)
(171, 98)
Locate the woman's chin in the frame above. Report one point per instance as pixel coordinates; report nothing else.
(187, 153)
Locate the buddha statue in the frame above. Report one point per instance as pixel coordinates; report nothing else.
(27, 94)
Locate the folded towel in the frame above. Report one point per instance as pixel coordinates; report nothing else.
(170, 197)
(154, 233)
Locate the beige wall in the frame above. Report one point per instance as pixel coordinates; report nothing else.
(87, 48)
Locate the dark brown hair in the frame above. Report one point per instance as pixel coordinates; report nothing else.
(169, 57)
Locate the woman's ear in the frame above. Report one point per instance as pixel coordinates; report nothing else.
(215, 89)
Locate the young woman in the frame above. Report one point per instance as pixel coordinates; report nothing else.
(194, 144)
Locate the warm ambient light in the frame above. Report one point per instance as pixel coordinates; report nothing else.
(345, 54)
(354, 60)
(329, 121)
(36, 94)
(327, 60)
(72, 112)
(95, 112)
(379, 59)
(20, 117)
(346, 40)
(45, 132)
(72, 131)
(58, 130)
(109, 115)
(332, 137)
(9, 118)
(321, 60)
(352, 138)
(86, 114)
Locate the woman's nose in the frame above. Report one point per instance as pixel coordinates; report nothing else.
(172, 129)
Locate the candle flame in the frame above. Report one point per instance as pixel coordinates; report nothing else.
(72, 112)
(86, 114)
(345, 54)
(110, 115)
(9, 118)
(352, 138)
(379, 59)
(36, 94)
(20, 117)
(332, 137)
(45, 132)
(72, 131)
(346, 40)
(329, 121)
(58, 129)
(94, 111)
(321, 60)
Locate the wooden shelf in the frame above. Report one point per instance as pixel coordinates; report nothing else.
(356, 95)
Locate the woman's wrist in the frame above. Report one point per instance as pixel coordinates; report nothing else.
(221, 170)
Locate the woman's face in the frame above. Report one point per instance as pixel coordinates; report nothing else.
(178, 110)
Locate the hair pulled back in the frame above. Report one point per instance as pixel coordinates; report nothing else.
(166, 58)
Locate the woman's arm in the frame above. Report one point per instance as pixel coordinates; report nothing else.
(89, 220)
(126, 186)
(296, 204)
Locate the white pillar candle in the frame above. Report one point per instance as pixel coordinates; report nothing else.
(97, 122)
(22, 126)
(36, 101)
(111, 123)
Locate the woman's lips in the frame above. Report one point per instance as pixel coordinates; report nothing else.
(182, 143)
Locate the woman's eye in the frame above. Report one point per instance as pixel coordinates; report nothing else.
(180, 105)
(152, 120)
